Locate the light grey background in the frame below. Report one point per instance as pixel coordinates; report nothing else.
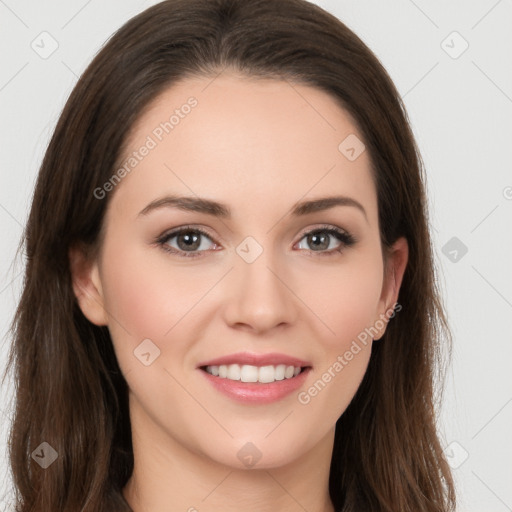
(460, 107)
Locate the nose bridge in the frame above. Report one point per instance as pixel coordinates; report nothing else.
(259, 297)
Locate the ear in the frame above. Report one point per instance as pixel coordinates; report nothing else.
(87, 285)
(395, 265)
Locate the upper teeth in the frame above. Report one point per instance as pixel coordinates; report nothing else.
(248, 373)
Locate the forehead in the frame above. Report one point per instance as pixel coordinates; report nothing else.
(234, 138)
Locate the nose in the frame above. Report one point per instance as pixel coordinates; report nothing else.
(258, 295)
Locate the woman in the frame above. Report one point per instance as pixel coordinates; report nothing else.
(230, 299)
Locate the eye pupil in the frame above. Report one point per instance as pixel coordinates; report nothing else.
(312, 239)
(191, 240)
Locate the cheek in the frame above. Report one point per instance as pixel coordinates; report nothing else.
(347, 305)
(345, 298)
(134, 294)
(149, 298)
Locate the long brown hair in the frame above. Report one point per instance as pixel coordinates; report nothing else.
(70, 391)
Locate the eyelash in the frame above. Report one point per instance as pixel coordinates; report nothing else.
(346, 239)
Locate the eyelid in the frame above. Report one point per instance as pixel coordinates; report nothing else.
(187, 227)
(321, 227)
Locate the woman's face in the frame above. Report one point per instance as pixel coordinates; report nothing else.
(260, 282)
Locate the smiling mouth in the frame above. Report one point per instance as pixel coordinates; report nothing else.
(250, 373)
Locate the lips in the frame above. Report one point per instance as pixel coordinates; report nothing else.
(257, 392)
(264, 378)
(247, 358)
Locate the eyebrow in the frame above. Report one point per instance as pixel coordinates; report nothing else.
(216, 209)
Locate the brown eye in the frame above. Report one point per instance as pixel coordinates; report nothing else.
(188, 242)
(320, 240)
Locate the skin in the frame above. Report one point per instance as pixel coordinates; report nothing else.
(258, 146)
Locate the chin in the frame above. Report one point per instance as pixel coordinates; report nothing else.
(257, 454)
